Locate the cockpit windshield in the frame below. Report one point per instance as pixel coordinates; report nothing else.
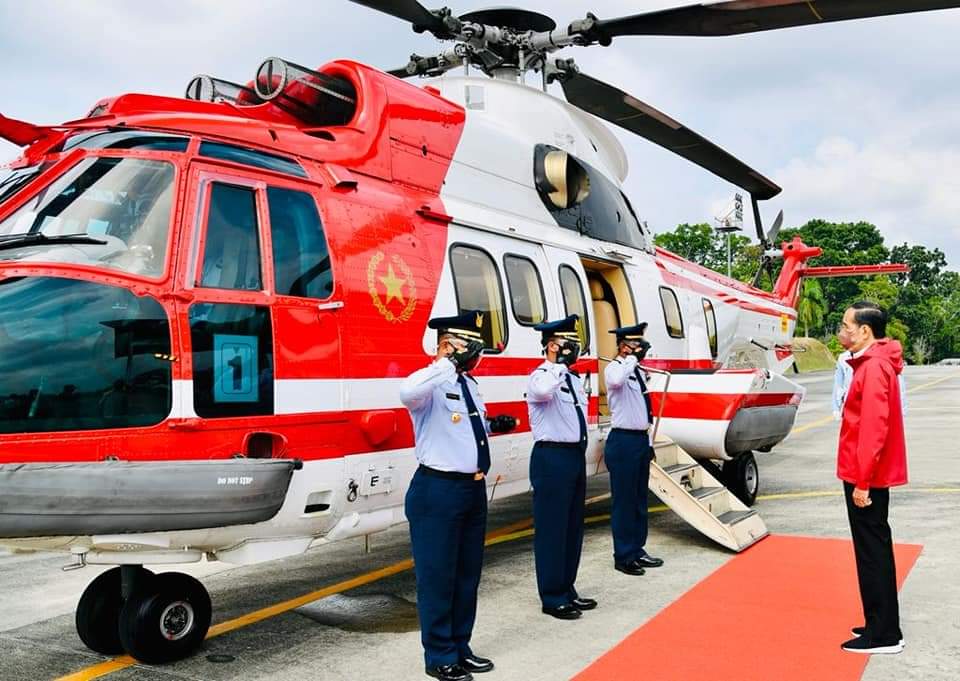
(115, 210)
(12, 181)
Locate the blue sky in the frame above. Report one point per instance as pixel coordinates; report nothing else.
(855, 120)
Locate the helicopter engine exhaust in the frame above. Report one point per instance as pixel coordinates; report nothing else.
(312, 97)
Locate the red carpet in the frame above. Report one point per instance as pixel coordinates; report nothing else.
(777, 612)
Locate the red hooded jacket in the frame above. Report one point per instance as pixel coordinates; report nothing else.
(873, 451)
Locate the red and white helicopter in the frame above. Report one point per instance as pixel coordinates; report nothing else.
(207, 304)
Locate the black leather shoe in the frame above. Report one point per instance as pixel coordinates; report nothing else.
(563, 612)
(631, 568)
(449, 672)
(476, 665)
(649, 561)
(583, 603)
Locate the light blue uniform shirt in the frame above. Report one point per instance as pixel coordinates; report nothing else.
(441, 422)
(627, 406)
(841, 385)
(553, 415)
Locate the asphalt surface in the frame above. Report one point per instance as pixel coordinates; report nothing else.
(370, 632)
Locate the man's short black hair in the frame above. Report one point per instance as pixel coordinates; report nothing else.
(872, 315)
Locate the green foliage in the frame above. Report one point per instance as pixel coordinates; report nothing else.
(923, 306)
(811, 309)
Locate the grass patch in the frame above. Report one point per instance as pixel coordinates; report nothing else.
(816, 358)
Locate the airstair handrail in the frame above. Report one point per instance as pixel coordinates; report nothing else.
(666, 389)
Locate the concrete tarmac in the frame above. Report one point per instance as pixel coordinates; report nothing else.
(371, 633)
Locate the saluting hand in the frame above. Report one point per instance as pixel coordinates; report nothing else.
(861, 498)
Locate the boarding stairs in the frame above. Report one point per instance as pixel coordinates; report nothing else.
(691, 492)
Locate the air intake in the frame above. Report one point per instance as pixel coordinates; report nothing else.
(205, 88)
(314, 98)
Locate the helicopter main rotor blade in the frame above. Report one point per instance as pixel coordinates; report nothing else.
(620, 108)
(748, 16)
(409, 10)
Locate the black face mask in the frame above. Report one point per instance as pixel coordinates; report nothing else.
(568, 353)
(468, 358)
(641, 351)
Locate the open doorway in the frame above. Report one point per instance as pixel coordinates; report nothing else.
(613, 306)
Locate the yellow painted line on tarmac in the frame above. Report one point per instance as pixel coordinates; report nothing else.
(518, 530)
(502, 535)
(828, 419)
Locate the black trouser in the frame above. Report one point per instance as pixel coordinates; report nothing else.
(876, 570)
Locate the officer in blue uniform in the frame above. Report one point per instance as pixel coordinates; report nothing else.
(557, 405)
(628, 452)
(446, 504)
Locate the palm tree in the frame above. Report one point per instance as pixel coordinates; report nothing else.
(812, 306)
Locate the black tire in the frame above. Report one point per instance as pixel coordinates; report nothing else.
(742, 477)
(98, 613)
(167, 621)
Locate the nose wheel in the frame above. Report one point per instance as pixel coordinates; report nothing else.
(153, 618)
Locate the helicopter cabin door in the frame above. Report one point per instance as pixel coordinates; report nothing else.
(258, 315)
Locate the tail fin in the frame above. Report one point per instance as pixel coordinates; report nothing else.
(795, 269)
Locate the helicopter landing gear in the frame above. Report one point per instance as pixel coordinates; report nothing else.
(98, 612)
(153, 618)
(742, 477)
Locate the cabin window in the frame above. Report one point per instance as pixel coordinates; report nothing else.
(574, 301)
(232, 359)
(526, 290)
(231, 251)
(711, 320)
(301, 261)
(252, 157)
(477, 285)
(671, 312)
(79, 355)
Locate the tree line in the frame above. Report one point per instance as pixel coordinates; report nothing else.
(924, 305)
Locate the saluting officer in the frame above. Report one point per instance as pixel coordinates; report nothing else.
(628, 452)
(446, 504)
(557, 405)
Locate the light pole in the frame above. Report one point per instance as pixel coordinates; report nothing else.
(728, 223)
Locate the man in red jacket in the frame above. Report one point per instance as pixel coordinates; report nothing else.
(872, 458)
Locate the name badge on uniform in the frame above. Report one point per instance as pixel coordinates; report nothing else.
(566, 390)
(453, 396)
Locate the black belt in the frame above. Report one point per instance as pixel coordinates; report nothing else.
(632, 431)
(451, 475)
(562, 445)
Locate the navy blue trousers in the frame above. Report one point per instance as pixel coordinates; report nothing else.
(448, 520)
(559, 490)
(627, 456)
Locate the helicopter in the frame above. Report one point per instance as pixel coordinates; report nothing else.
(194, 293)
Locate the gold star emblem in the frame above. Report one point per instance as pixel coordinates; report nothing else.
(394, 285)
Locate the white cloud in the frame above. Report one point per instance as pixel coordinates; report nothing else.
(856, 120)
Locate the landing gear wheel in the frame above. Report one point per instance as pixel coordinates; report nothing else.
(742, 477)
(98, 613)
(166, 621)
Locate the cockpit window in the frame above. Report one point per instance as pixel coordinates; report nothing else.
(252, 157)
(127, 139)
(116, 212)
(12, 181)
